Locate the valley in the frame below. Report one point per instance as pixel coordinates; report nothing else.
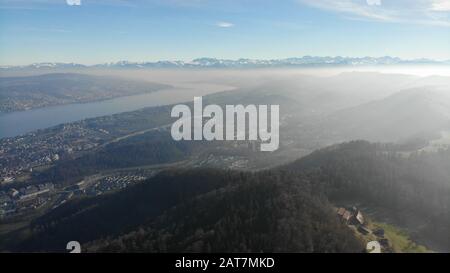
(85, 170)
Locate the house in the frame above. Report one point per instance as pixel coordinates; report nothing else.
(32, 192)
(351, 216)
(8, 179)
(358, 218)
(384, 242)
(344, 214)
(13, 192)
(379, 232)
(363, 230)
(347, 216)
(341, 211)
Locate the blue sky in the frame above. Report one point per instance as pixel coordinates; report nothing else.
(98, 31)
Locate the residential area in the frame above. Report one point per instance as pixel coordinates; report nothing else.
(15, 202)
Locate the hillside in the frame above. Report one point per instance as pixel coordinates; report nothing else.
(266, 212)
(287, 209)
(412, 191)
(401, 116)
(200, 210)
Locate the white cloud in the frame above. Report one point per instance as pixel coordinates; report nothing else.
(225, 24)
(352, 7)
(424, 12)
(73, 2)
(440, 5)
(373, 2)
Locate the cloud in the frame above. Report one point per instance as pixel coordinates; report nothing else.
(73, 2)
(440, 5)
(361, 9)
(423, 12)
(373, 2)
(224, 24)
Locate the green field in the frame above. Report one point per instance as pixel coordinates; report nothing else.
(399, 239)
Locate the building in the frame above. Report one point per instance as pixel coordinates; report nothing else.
(363, 230)
(351, 216)
(13, 193)
(358, 218)
(347, 217)
(379, 232)
(32, 192)
(384, 242)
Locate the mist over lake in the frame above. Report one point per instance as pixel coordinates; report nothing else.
(20, 122)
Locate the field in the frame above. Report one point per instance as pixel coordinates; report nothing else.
(400, 241)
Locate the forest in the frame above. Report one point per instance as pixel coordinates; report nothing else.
(285, 209)
(201, 210)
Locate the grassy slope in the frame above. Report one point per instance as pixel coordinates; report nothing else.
(399, 239)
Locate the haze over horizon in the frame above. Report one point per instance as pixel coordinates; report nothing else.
(293, 60)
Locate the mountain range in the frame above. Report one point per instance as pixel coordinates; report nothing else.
(239, 63)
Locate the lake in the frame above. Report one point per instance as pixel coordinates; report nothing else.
(21, 122)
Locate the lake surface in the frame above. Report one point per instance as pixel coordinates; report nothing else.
(17, 123)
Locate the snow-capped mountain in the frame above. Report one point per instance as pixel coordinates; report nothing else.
(45, 65)
(241, 63)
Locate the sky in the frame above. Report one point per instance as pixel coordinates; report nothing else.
(102, 31)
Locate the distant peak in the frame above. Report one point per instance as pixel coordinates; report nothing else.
(209, 62)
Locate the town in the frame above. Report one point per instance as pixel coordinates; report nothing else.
(17, 202)
(21, 156)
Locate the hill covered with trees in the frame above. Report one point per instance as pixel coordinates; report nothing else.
(200, 210)
(411, 188)
(287, 209)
